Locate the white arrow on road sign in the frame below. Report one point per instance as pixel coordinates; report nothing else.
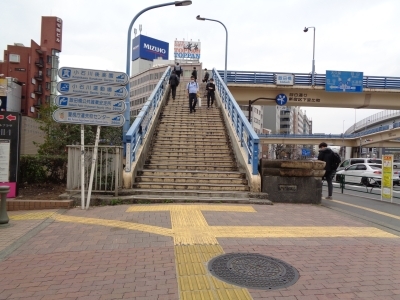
(92, 104)
(101, 76)
(88, 117)
(92, 90)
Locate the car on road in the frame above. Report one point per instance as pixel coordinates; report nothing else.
(396, 164)
(365, 174)
(351, 161)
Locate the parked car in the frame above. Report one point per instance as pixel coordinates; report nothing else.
(351, 161)
(396, 164)
(365, 174)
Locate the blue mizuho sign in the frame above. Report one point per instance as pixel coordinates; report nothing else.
(148, 48)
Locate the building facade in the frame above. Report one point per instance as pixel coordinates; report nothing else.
(36, 66)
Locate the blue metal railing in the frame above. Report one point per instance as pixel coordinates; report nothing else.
(341, 136)
(249, 139)
(376, 82)
(137, 133)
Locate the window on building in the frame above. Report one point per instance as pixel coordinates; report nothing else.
(14, 58)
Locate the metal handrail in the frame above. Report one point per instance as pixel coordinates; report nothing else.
(248, 138)
(376, 82)
(138, 132)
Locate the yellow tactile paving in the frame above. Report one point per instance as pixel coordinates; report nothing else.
(194, 280)
(196, 242)
(368, 209)
(296, 232)
(32, 216)
(114, 223)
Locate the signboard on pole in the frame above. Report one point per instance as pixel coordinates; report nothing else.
(92, 90)
(4, 160)
(100, 76)
(387, 177)
(284, 79)
(187, 49)
(343, 81)
(88, 117)
(90, 104)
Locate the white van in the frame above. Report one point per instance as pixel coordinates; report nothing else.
(352, 161)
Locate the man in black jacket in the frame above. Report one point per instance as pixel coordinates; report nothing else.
(210, 87)
(194, 74)
(326, 155)
(173, 82)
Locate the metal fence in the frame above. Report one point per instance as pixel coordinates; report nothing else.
(139, 129)
(377, 82)
(108, 168)
(248, 138)
(366, 185)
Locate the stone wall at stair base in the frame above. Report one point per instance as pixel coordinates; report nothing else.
(292, 181)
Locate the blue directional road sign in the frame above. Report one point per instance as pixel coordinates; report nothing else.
(88, 117)
(92, 90)
(100, 76)
(305, 152)
(92, 104)
(281, 99)
(343, 81)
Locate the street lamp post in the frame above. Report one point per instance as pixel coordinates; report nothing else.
(226, 44)
(127, 112)
(313, 56)
(252, 101)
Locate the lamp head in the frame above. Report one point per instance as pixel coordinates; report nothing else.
(200, 18)
(183, 3)
(305, 29)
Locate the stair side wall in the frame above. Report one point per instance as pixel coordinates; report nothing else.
(141, 154)
(254, 181)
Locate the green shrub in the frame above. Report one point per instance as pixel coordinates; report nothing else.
(43, 169)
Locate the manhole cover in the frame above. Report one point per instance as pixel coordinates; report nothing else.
(253, 271)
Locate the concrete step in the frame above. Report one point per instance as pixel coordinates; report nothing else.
(179, 147)
(193, 131)
(218, 161)
(184, 157)
(192, 173)
(212, 180)
(175, 155)
(193, 193)
(174, 196)
(193, 139)
(204, 162)
(197, 167)
(206, 152)
(191, 186)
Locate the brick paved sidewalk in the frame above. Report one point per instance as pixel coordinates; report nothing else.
(161, 252)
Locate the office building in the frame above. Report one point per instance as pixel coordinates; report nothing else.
(35, 67)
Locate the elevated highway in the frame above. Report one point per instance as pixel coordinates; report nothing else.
(378, 92)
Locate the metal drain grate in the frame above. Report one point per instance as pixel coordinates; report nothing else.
(253, 271)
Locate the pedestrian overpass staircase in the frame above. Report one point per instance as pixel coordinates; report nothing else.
(190, 157)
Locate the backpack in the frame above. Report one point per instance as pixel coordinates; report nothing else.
(336, 160)
(177, 68)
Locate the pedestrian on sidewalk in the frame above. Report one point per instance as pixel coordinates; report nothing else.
(326, 155)
(192, 88)
(206, 76)
(210, 87)
(178, 70)
(194, 74)
(173, 82)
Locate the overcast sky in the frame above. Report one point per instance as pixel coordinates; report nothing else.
(264, 35)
